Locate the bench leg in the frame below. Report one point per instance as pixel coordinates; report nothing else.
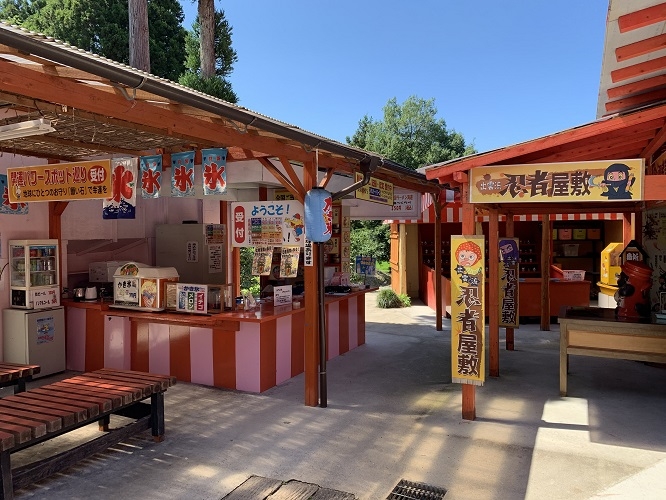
(19, 386)
(157, 416)
(7, 491)
(104, 423)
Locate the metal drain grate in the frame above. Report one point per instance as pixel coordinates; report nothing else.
(408, 490)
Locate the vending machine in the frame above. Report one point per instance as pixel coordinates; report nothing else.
(34, 269)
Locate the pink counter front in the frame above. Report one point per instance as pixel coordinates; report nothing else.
(234, 350)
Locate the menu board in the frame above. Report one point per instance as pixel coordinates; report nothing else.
(273, 223)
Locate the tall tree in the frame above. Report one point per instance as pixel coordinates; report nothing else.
(410, 134)
(207, 37)
(224, 57)
(102, 27)
(139, 45)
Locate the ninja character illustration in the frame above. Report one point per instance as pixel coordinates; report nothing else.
(508, 251)
(617, 182)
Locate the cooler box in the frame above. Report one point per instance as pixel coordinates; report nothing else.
(610, 263)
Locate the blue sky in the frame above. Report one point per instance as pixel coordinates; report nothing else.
(500, 72)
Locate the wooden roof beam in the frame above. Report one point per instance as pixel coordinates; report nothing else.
(295, 180)
(636, 101)
(640, 48)
(268, 165)
(638, 70)
(636, 87)
(590, 130)
(642, 18)
(654, 145)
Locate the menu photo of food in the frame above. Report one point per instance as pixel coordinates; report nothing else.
(148, 293)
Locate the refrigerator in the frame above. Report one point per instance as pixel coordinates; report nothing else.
(35, 337)
(34, 274)
(197, 251)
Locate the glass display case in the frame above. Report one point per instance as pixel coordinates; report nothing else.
(34, 273)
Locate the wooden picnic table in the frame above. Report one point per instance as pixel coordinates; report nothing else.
(17, 375)
(41, 413)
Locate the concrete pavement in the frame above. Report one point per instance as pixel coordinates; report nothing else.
(394, 414)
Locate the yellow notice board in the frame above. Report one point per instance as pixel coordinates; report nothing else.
(607, 180)
(467, 310)
(508, 282)
(84, 180)
(376, 190)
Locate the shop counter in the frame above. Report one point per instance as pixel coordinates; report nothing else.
(595, 331)
(239, 350)
(562, 293)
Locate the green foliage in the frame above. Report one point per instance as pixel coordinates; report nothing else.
(370, 238)
(410, 134)
(247, 280)
(383, 266)
(405, 299)
(225, 55)
(215, 86)
(102, 27)
(387, 299)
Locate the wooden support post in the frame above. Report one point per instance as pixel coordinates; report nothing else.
(627, 228)
(546, 237)
(510, 232)
(439, 310)
(311, 282)
(468, 228)
(493, 292)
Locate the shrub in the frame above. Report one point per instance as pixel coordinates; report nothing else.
(405, 299)
(387, 298)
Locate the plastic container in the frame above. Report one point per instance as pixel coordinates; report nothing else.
(570, 249)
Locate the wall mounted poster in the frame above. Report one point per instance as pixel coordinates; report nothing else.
(289, 261)
(274, 223)
(508, 282)
(467, 310)
(261, 262)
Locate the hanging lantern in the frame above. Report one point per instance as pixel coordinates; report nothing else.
(318, 215)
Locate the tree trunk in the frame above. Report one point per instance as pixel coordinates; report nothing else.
(207, 37)
(139, 46)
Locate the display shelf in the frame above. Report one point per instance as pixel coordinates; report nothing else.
(530, 259)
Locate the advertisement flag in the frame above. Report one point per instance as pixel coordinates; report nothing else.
(122, 204)
(214, 165)
(7, 207)
(508, 282)
(151, 176)
(182, 174)
(467, 310)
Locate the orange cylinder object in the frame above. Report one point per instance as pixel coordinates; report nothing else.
(633, 294)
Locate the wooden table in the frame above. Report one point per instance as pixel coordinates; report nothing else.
(17, 375)
(593, 331)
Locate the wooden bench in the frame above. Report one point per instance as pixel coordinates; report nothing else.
(591, 331)
(17, 375)
(39, 414)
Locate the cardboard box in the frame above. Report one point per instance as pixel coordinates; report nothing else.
(594, 234)
(610, 263)
(564, 234)
(579, 234)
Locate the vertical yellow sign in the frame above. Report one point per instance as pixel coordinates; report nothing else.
(508, 282)
(467, 310)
